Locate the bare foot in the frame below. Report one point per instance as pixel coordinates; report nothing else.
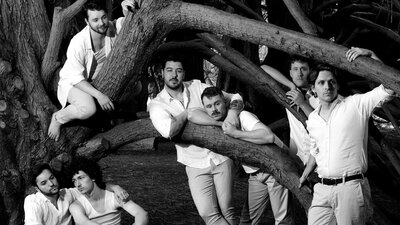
(54, 128)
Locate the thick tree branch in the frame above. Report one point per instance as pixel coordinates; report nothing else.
(269, 157)
(301, 18)
(258, 79)
(61, 18)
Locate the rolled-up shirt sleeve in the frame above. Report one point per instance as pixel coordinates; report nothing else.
(33, 212)
(160, 118)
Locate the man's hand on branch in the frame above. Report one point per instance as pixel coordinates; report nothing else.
(105, 102)
(130, 6)
(296, 97)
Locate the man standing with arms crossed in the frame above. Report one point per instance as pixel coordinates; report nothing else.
(339, 130)
(86, 55)
(262, 185)
(210, 174)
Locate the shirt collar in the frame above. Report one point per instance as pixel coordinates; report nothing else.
(111, 33)
(186, 94)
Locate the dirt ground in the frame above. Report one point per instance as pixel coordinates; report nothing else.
(158, 183)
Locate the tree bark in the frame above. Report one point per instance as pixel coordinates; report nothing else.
(268, 157)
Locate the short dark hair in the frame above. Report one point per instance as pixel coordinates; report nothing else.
(173, 58)
(94, 5)
(90, 167)
(322, 67)
(297, 58)
(211, 92)
(37, 170)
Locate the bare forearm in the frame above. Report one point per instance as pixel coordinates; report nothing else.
(310, 167)
(278, 76)
(88, 88)
(201, 117)
(256, 136)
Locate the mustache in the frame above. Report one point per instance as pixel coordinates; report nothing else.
(215, 113)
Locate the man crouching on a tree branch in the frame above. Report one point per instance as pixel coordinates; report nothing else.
(86, 55)
(251, 129)
(210, 174)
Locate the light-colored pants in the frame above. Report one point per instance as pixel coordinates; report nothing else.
(262, 188)
(81, 106)
(349, 202)
(211, 190)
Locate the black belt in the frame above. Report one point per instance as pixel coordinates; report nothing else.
(328, 181)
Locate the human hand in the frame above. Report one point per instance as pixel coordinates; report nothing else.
(354, 52)
(130, 6)
(228, 129)
(296, 97)
(121, 193)
(105, 102)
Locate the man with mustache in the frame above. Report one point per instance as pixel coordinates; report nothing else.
(339, 131)
(262, 186)
(210, 175)
(49, 205)
(86, 55)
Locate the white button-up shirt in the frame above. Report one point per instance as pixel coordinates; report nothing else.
(80, 57)
(40, 211)
(164, 107)
(299, 138)
(340, 147)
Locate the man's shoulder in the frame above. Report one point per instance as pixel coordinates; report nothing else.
(245, 114)
(35, 198)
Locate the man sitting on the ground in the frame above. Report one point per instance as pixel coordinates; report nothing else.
(49, 206)
(95, 205)
(261, 184)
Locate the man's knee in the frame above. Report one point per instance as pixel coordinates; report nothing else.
(86, 111)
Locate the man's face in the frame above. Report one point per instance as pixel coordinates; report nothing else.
(83, 182)
(47, 183)
(326, 87)
(97, 21)
(173, 75)
(215, 107)
(299, 72)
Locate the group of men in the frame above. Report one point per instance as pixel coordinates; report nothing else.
(89, 202)
(335, 141)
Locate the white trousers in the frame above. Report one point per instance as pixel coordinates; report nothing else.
(262, 188)
(211, 190)
(348, 202)
(81, 106)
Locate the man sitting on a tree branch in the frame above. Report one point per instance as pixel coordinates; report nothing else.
(86, 55)
(262, 185)
(210, 174)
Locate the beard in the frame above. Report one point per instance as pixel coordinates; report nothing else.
(100, 30)
(174, 85)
